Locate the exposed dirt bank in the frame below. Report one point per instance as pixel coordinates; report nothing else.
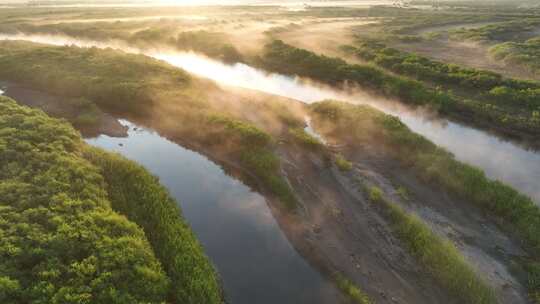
(350, 236)
(490, 251)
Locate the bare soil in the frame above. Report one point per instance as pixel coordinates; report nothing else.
(349, 236)
(491, 252)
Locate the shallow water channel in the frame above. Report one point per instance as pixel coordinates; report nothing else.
(237, 229)
(500, 159)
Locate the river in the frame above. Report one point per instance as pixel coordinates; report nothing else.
(234, 224)
(500, 159)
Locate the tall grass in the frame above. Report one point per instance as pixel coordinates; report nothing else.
(440, 257)
(254, 150)
(287, 59)
(137, 194)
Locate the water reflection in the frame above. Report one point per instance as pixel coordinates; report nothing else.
(500, 159)
(234, 224)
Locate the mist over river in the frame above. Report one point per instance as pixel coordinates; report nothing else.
(500, 159)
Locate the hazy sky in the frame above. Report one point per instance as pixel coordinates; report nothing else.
(197, 2)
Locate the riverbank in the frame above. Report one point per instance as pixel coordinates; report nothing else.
(253, 132)
(81, 113)
(85, 246)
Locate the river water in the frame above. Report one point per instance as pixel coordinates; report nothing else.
(254, 258)
(500, 159)
(237, 229)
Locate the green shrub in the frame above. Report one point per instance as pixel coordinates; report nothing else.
(497, 31)
(352, 291)
(526, 54)
(375, 194)
(342, 163)
(114, 80)
(305, 139)
(61, 241)
(253, 148)
(284, 58)
(266, 166)
(248, 134)
(212, 44)
(139, 195)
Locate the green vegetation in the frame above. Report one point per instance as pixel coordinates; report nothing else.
(305, 139)
(140, 34)
(248, 134)
(403, 193)
(139, 196)
(61, 241)
(408, 22)
(254, 153)
(284, 58)
(441, 258)
(211, 44)
(433, 165)
(504, 31)
(351, 290)
(486, 87)
(425, 69)
(142, 87)
(526, 54)
(115, 81)
(88, 115)
(342, 163)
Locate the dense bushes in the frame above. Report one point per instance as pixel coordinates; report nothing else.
(138, 195)
(253, 149)
(480, 83)
(115, 81)
(284, 58)
(132, 84)
(503, 31)
(140, 34)
(525, 53)
(358, 124)
(60, 241)
(211, 44)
